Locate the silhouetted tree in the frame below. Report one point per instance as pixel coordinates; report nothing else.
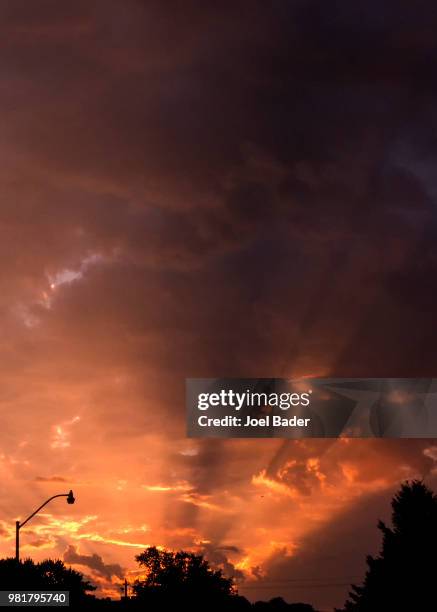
(402, 577)
(49, 574)
(183, 578)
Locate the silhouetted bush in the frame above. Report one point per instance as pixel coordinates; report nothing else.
(47, 575)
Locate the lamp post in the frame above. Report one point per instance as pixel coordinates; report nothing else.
(18, 525)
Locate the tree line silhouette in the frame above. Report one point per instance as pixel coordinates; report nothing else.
(399, 578)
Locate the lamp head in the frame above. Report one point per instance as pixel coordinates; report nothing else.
(70, 497)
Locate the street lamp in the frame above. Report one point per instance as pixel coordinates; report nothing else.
(18, 525)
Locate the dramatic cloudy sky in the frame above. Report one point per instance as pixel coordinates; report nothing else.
(209, 189)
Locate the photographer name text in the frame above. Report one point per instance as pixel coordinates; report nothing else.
(266, 421)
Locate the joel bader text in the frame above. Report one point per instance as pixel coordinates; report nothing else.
(266, 421)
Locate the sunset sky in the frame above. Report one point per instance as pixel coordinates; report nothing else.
(205, 189)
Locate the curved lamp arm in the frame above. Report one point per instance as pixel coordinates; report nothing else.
(18, 525)
(70, 500)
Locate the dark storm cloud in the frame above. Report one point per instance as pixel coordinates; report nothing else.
(217, 556)
(282, 156)
(94, 562)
